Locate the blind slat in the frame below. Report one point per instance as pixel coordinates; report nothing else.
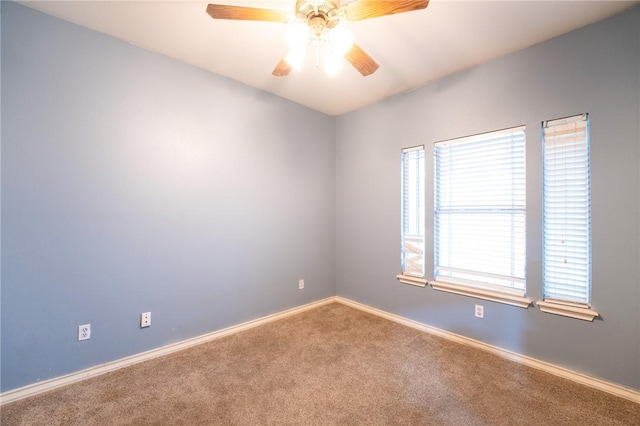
(480, 210)
(566, 210)
(413, 211)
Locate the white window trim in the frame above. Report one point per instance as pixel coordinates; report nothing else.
(405, 277)
(514, 297)
(554, 306)
(481, 293)
(566, 309)
(410, 279)
(482, 136)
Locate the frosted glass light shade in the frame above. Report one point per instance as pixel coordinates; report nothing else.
(341, 40)
(297, 35)
(296, 57)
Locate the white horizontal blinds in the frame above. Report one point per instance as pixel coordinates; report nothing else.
(413, 235)
(480, 211)
(566, 214)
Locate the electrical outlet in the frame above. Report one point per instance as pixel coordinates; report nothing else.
(479, 311)
(300, 284)
(145, 319)
(84, 332)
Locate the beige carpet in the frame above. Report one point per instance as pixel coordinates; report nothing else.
(333, 365)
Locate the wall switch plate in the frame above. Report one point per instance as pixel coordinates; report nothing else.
(84, 332)
(300, 284)
(145, 319)
(479, 311)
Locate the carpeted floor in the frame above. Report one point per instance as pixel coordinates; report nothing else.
(333, 365)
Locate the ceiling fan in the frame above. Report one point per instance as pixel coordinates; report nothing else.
(317, 22)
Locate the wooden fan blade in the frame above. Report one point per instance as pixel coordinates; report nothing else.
(361, 61)
(220, 11)
(282, 69)
(365, 9)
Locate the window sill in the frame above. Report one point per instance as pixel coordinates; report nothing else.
(567, 310)
(408, 279)
(480, 293)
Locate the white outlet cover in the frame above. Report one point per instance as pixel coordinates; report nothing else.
(145, 319)
(84, 332)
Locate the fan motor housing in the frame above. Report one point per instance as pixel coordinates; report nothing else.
(314, 10)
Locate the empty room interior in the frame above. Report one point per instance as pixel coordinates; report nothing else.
(444, 231)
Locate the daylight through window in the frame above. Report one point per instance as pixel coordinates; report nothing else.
(566, 212)
(413, 216)
(480, 214)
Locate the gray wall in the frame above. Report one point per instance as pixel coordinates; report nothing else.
(132, 182)
(595, 70)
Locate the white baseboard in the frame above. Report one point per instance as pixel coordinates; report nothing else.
(612, 388)
(44, 386)
(40, 387)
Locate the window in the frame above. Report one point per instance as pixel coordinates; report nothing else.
(566, 218)
(480, 214)
(412, 216)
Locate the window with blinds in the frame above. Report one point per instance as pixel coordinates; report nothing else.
(413, 216)
(480, 212)
(566, 211)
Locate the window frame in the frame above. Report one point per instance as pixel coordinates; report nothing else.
(413, 245)
(552, 132)
(468, 287)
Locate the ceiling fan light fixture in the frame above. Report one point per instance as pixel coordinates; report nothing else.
(297, 34)
(321, 17)
(340, 39)
(331, 42)
(295, 57)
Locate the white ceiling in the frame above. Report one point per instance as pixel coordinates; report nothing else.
(412, 48)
